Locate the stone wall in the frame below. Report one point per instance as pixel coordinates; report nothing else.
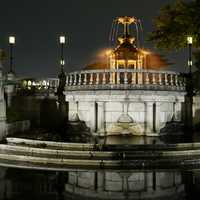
(149, 110)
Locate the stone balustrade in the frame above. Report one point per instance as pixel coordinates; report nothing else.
(39, 84)
(125, 79)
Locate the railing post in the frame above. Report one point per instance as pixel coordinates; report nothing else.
(160, 79)
(75, 79)
(71, 79)
(111, 78)
(118, 77)
(85, 79)
(67, 80)
(125, 78)
(104, 78)
(153, 78)
(176, 79)
(140, 81)
(91, 78)
(147, 78)
(79, 79)
(171, 79)
(97, 78)
(133, 78)
(166, 80)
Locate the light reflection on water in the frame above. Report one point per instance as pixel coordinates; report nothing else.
(29, 184)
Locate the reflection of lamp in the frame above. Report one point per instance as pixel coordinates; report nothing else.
(62, 61)
(11, 44)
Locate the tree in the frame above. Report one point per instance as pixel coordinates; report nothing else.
(174, 23)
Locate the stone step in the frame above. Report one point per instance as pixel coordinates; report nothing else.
(101, 147)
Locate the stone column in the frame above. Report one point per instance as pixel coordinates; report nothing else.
(2, 109)
(101, 116)
(92, 116)
(177, 111)
(157, 122)
(149, 117)
(118, 77)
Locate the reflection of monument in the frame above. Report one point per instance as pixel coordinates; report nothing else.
(125, 185)
(2, 101)
(125, 96)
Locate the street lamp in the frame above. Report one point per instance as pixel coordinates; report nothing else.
(62, 61)
(189, 42)
(11, 44)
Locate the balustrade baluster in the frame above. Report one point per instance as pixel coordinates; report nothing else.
(67, 80)
(125, 78)
(176, 79)
(160, 79)
(79, 79)
(133, 78)
(140, 81)
(171, 79)
(118, 77)
(154, 78)
(75, 79)
(85, 79)
(91, 78)
(97, 78)
(166, 79)
(104, 78)
(147, 78)
(111, 78)
(71, 80)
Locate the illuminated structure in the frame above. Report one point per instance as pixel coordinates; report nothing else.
(125, 96)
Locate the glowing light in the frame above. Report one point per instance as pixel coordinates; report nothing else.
(189, 40)
(145, 52)
(62, 39)
(11, 40)
(189, 63)
(62, 62)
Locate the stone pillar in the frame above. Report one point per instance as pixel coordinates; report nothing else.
(111, 78)
(2, 108)
(157, 116)
(149, 117)
(177, 111)
(101, 116)
(160, 79)
(92, 116)
(10, 89)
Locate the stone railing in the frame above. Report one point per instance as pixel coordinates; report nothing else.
(125, 79)
(50, 84)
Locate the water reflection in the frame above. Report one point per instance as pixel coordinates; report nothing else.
(30, 184)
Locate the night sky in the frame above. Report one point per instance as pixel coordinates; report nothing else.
(37, 25)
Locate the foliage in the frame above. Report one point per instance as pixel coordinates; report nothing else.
(174, 23)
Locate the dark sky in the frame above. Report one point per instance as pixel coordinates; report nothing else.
(38, 23)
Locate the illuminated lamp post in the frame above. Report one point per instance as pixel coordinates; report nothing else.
(190, 93)
(62, 82)
(11, 44)
(62, 43)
